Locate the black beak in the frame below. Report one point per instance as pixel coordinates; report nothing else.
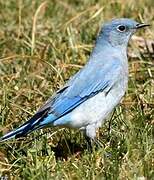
(138, 26)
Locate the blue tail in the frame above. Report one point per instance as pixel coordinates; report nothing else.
(38, 121)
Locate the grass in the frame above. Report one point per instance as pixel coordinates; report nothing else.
(41, 45)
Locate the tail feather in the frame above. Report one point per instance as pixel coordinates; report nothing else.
(39, 120)
(12, 134)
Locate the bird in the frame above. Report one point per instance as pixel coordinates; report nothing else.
(89, 96)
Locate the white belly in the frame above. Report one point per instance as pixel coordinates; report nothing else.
(94, 110)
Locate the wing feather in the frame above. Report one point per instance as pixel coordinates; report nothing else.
(83, 87)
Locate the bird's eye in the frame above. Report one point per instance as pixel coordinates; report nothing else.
(121, 28)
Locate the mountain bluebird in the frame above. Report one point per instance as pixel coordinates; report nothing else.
(90, 95)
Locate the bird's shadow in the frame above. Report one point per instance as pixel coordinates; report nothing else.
(66, 148)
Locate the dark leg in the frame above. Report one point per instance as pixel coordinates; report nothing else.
(92, 142)
(89, 144)
(111, 119)
(98, 143)
(90, 135)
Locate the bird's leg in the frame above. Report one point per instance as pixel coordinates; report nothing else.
(98, 143)
(89, 143)
(111, 120)
(91, 139)
(92, 142)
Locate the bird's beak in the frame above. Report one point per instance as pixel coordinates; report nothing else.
(141, 25)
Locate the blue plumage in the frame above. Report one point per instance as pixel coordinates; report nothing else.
(90, 95)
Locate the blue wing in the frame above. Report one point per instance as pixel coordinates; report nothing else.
(82, 87)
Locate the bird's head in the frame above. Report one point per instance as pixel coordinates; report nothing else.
(118, 31)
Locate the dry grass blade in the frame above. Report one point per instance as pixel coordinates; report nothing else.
(38, 11)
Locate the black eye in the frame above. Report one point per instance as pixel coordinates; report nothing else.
(121, 28)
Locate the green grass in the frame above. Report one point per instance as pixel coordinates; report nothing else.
(37, 59)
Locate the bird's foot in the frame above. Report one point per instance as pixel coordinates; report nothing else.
(93, 144)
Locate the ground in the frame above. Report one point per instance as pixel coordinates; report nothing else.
(43, 43)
